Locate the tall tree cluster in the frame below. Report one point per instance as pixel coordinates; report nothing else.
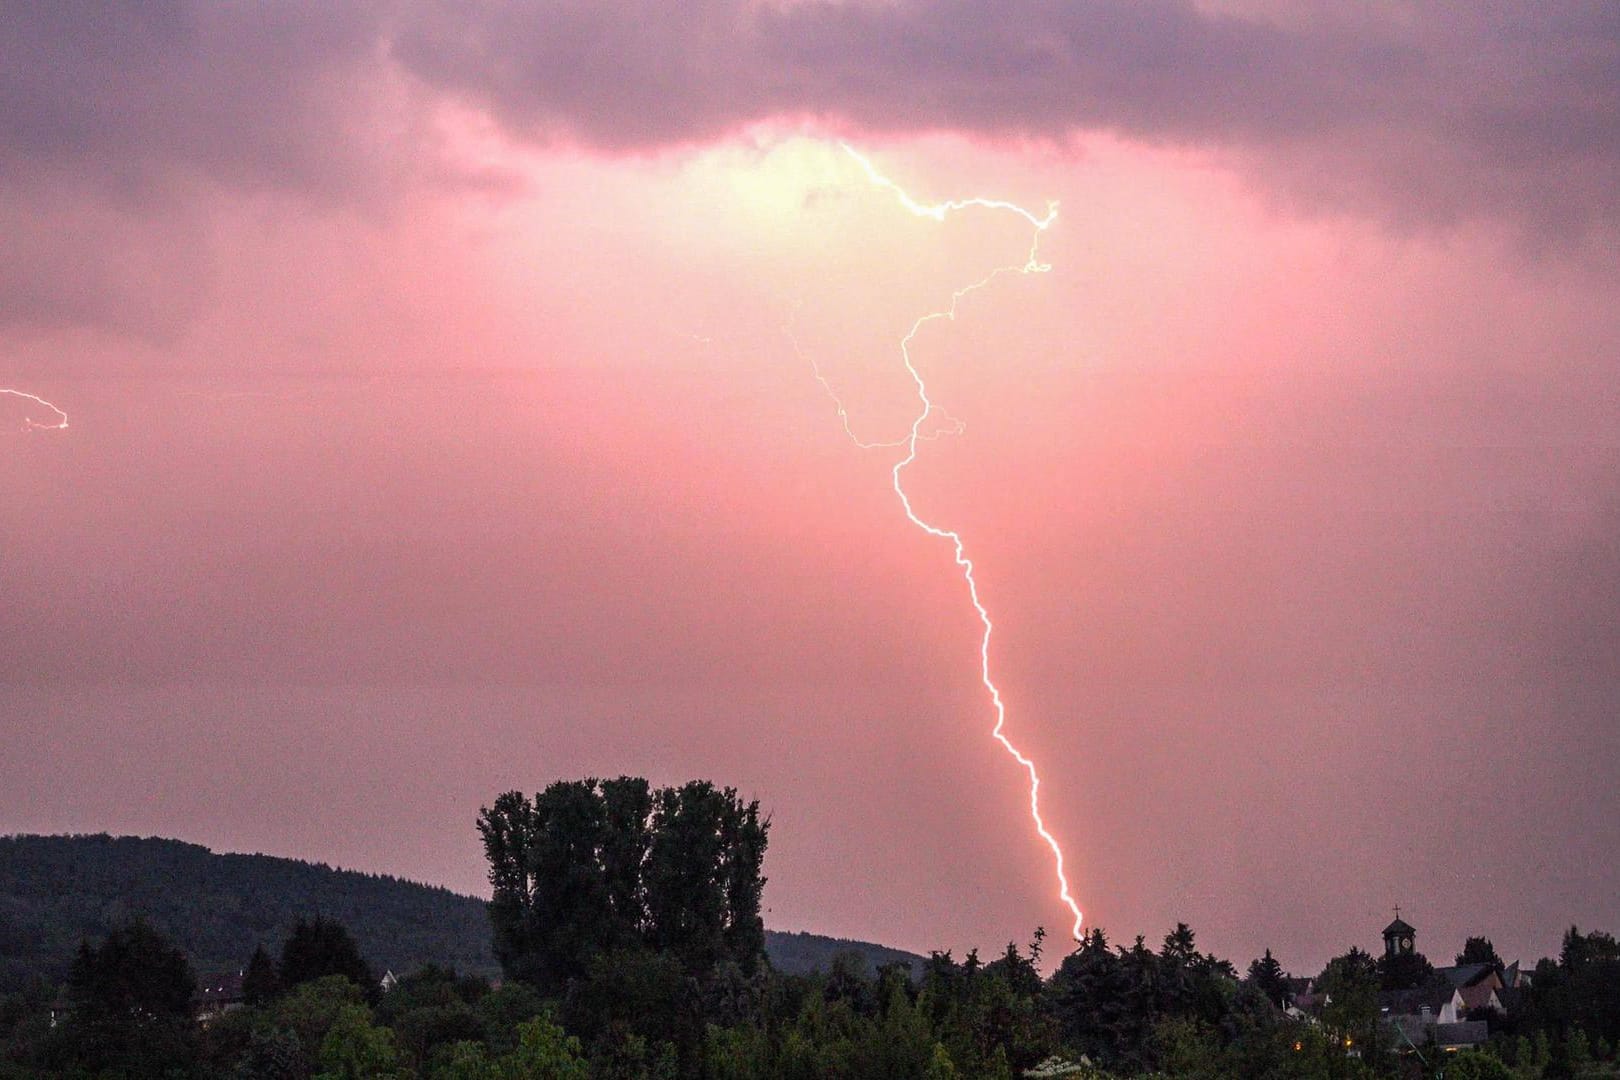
(590, 867)
(1112, 1003)
(130, 1009)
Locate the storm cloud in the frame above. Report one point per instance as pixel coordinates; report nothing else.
(1456, 108)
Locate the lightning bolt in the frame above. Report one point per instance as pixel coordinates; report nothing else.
(29, 423)
(950, 425)
(1031, 265)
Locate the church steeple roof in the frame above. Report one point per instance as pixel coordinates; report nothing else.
(1399, 928)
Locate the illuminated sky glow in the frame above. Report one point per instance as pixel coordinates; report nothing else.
(445, 419)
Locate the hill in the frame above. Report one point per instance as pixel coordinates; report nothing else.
(58, 890)
(800, 953)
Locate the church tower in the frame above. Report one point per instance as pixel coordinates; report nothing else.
(1398, 937)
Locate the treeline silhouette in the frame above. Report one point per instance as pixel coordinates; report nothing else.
(626, 920)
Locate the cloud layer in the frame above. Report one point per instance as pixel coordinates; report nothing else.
(1421, 115)
(1462, 105)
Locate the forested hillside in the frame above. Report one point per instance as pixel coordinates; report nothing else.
(57, 890)
(801, 954)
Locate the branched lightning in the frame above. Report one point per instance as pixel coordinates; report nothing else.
(1031, 265)
(29, 423)
(949, 425)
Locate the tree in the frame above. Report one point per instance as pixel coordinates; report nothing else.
(425, 1028)
(310, 1010)
(272, 1054)
(1479, 950)
(627, 805)
(591, 866)
(545, 1052)
(1474, 1065)
(634, 992)
(501, 1011)
(321, 947)
(131, 998)
(702, 877)
(356, 1049)
(1095, 997)
(1404, 970)
(466, 1060)
(1351, 981)
(1179, 947)
(1266, 975)
(433, 1007)
(1582, 989)
(1350, 965)
(1580, 949)
(940, 1066)
(261, 982)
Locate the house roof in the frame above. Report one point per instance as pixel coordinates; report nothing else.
(1466, 974)
(1462, 1033)
(1478, 996)
(1413, 1033)
(1410, 1002)
(1398, 928)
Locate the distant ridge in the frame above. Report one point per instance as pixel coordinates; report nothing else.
(58, 890)
(800, 953)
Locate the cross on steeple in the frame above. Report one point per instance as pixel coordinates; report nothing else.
(1398, 936)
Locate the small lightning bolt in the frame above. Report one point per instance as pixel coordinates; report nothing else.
(1031, 265)
(949, 425)
(29, 423)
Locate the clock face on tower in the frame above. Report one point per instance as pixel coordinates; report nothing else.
(1406, 944)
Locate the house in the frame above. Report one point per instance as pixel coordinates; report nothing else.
(1300, 998)
(1307, 1006)
(217, 995)
(1430, 1016)
(1513, 978)
(1436, 1003)
(1433, 1014)
(1481, 996)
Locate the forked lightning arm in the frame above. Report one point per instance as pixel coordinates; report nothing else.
(29, 422)
(1031, 265)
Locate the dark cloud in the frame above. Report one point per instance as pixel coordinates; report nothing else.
(112, 115)
(128, 97)
(122, 125)
(1431, 112)
(1453, 107)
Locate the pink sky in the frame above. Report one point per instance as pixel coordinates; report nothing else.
(438, 428)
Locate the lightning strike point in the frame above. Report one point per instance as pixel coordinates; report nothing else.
(1032, 264)
(29, 423)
